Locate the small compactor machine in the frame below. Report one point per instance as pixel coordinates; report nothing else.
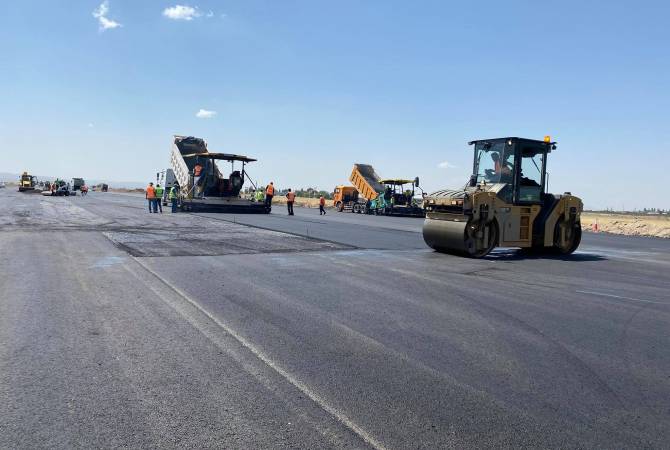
(505, 204)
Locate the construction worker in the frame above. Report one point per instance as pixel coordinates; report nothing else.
(260, 196)
(290, 198)
(269, 193)
(197, 176)
(159, 197)
(252, 194)
(151, 197)
(173, 196)
(322, 204)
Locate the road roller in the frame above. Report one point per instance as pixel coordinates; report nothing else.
(504, 204)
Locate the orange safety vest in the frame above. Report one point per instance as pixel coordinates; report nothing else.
(151, 192)
(290, 197)
(197, 169)
(322, 201)
(270, 190)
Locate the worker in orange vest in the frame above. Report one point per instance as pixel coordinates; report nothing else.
(269, 193)
(322, 204)
(151, 197)
(197, 176)
(290, 198)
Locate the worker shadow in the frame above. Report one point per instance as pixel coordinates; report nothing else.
(516, 254)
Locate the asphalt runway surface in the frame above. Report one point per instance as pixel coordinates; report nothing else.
(120, 328)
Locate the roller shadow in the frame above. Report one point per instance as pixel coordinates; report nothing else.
(516, 254)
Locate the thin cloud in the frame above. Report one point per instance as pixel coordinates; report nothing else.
(205, 114)
(105, 22)
(182, 12)
(446, 165)
(210, 14)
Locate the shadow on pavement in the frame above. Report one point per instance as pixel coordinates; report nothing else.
(522, 254)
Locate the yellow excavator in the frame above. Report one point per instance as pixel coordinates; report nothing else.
(505, 204)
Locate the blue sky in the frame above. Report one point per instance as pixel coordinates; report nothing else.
(310, 87)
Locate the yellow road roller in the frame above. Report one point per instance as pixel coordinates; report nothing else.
(504, 204)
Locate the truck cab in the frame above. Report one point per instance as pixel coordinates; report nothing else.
(344, 197)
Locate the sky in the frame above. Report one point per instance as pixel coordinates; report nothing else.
(97, 89)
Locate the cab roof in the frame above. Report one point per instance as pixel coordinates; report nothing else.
(220, 156)
(534, 141)
(395, 181)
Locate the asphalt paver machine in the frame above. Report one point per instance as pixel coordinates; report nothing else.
(505, 204)
(210, 190)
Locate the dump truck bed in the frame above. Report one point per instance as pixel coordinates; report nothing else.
(366, 180)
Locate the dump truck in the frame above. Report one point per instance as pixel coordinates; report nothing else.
(210, 189)
(371, 195)
(27, 182)
(345, 198)
(77, 183)
(504, 204)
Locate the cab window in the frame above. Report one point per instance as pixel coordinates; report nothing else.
(530, 177)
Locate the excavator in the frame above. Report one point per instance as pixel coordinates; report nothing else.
(504, 204)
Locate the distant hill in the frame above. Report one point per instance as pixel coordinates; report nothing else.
(13, 177)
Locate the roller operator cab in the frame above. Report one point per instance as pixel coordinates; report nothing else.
(505, 204)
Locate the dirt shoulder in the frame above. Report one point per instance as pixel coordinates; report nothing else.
(627, 224)
(305, 202)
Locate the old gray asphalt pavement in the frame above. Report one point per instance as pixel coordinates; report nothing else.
(122, 328)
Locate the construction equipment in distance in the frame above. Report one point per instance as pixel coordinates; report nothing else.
(210, 191)
(370, 195)
(504, 204)
(27, 182)
(396, 200)
(77, 183)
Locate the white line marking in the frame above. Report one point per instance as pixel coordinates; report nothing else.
(344, 420)
(602, 294)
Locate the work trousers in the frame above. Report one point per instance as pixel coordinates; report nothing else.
(322, 210)
(268, 200)
(289, 205)
(152, 205)
(174, 205)
(159, 203)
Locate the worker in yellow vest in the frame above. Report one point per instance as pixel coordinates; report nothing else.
(260, 195)
(159, 197)
(290, 198)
